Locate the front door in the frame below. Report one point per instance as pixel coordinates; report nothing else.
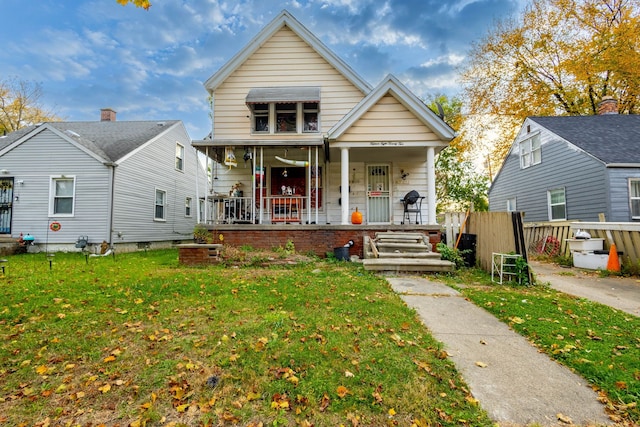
(6, 202)
(378, 194)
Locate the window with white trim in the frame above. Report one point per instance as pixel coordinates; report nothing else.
(160, 205)
(511, 204)
(62, 195)
(530, 152)
(557, 204)
(179, 157)
(634, 197)
(285, 117)
(187, 207)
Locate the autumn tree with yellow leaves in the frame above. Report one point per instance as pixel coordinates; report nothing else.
(20, 105)
(560, 58)
(145, 4)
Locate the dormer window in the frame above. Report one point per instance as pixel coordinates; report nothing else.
(284, 110)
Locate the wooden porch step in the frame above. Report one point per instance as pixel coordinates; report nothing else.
(407, 264)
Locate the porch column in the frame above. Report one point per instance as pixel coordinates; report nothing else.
(344, 184)
(431, 186)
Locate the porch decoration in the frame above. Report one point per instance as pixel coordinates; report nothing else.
(230, 157)
(299, 163)
(356, 217)
(55, 226)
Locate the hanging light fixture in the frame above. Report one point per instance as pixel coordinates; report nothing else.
(284, 172)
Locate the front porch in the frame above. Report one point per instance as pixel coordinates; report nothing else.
(307, 239)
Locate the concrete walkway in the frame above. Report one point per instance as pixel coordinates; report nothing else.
(513, 382)
(622, 293)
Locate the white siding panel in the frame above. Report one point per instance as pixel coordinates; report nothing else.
(284, 60)
(136, 180)
(388, 120)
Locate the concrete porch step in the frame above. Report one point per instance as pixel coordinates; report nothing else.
(426, 255)
(407, 264)
(409, 247)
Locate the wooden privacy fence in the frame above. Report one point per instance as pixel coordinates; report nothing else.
(495, 232)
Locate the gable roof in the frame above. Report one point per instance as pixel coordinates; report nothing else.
(106, 140)
(611, 138)
(286, 19)
(392, 85)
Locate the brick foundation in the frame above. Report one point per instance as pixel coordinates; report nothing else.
(315, 239)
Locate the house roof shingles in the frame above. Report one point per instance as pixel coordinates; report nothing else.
(611, 138)
(107, 139)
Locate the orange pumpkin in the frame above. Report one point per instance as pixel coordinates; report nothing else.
(356, 217)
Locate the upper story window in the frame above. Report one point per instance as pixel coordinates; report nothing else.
(634, 198)
(530, 152)
(62, 195)
(284, 110)
(179, 157)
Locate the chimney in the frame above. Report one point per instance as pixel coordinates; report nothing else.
(107, 115)
(608, 105)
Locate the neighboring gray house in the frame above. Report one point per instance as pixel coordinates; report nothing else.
(129, 183)
(572, 168)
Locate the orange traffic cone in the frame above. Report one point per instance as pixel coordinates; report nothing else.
(613, 263)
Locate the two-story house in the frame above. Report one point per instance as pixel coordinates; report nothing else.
(299, 138)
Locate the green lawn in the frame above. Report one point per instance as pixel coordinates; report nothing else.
(141, 340)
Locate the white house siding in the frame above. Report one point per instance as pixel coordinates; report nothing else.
(388, 120)
(34, 162)
(267, 67)
(136, 179)
(562, 166)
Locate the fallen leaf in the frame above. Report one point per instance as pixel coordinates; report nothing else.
(481, 364)
(392, 412)
(109, 358)
(342, 391)
(324, 402)
(105, 388)
(564, 419)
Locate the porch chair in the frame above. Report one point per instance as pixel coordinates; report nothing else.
(412, 203)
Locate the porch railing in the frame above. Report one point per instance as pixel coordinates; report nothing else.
(246, 210)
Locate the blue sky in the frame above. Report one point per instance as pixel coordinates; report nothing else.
(151, 65)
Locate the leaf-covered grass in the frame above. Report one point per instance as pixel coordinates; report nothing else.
(596, 341)
(141, 340)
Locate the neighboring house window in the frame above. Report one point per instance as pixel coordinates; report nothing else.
(530, 152)
(62, 196)
(634, 198)
(511, 204)
(187, 206)
(179, 157)
(161, 200)
(557, 204)
(289, 117)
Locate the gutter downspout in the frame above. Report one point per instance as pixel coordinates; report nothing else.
(112, 185)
